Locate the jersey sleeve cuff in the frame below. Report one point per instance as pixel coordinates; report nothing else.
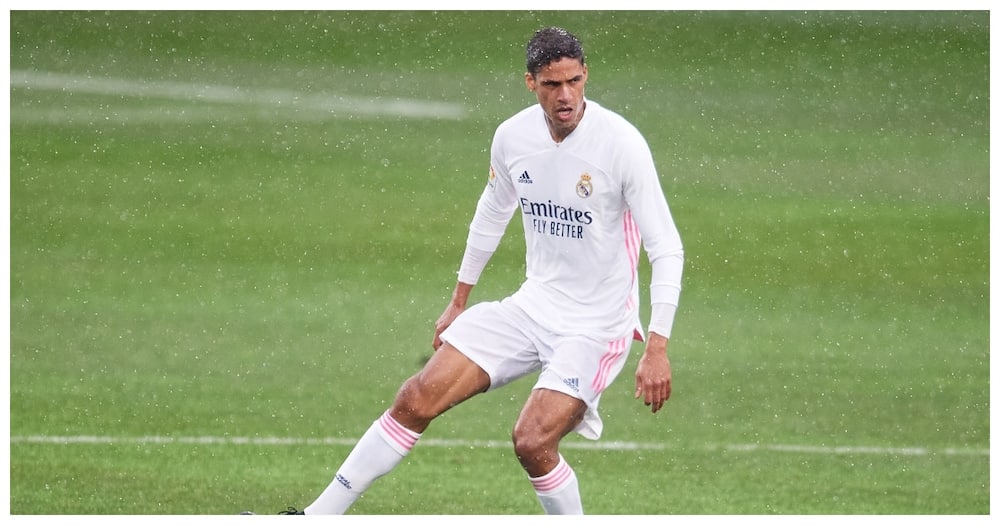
(473, 263)
(661, 319)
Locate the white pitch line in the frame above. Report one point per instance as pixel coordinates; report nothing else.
(462, 443)
(325, 103)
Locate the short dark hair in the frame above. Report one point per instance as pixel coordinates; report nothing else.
(549, 45)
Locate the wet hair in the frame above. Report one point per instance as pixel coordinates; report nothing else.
(549, 45)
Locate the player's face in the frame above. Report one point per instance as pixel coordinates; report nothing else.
(559, 88)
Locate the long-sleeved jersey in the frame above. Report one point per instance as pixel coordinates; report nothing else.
(588, 203)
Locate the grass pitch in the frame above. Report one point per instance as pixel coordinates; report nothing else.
(231, 232)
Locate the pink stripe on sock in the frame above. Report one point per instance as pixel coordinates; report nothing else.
(403, 436)
(555, 479)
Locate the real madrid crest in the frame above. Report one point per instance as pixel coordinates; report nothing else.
(584, 188)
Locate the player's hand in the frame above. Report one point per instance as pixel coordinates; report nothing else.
(449, 315)
(652, 376)
(456, 306)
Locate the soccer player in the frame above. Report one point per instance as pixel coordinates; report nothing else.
(584, 182)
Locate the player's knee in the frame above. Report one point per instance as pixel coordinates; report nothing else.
(531, 446)
(411, 406)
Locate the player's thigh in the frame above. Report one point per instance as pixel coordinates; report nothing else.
(499, 338)
(448, 378)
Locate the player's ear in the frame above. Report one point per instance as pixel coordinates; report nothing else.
(529, 80)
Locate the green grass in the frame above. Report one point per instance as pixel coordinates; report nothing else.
(187, 268)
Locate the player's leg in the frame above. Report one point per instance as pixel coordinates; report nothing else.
(547, 417)
(575, 371)
(493, 353)
(447, 379)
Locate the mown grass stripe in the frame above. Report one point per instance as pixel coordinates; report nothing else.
(324, 103)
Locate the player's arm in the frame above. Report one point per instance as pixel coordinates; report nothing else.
(653, 374)
(666, 256)
(493, 212)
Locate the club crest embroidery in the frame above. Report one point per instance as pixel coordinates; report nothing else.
(492, 181)
(584, 188)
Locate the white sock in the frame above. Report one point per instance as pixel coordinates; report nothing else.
(378, 451)
(559, 491)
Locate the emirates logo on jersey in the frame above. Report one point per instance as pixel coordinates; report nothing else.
(584, 188)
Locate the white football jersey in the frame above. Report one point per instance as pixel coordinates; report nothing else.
(586, 204)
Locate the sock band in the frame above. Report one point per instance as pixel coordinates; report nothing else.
(554, 480)
(400, 437)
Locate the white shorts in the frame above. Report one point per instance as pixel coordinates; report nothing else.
(508, 345)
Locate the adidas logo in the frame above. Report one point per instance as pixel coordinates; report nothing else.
(573, 383)
(524, 178)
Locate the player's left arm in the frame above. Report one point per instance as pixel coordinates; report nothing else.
(662, 243)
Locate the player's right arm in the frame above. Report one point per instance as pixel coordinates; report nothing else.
(494, 210)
